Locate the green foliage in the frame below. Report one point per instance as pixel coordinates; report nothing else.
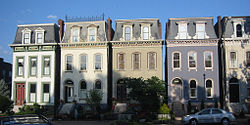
(164, 109)
(6, 105)
(94, 99)
(189, 108)
(29, 109)
(4, 88)
(146, 92)
(202, 104)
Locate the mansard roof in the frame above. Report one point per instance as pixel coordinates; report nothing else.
(228, 25)
(136, 28)
(191, 26)
(51, 32)
(102, 30)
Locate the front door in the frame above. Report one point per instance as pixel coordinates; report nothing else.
(20, 93)
(121, 92)
(177, 93)
(234, 92)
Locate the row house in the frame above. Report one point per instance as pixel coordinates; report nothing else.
(136, 52)
(35, 53)
(235, 46)
(192, 70)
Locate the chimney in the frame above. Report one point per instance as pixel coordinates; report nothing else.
(109, 29)
(61, 30)
(219, 27)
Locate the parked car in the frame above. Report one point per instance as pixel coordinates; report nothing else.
(209, 115)
(25, 120)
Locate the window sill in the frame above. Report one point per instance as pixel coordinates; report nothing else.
(189, 69)
(97, 70)
(46, 75)
(208, 69)
(82, 71)
(176, 69)
(68, 71)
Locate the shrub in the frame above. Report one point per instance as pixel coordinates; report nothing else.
(6, 104)
(164, 109)
(94, 99)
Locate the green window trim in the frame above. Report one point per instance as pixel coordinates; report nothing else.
(16, 66)
(28, 93)
(42, 92)
(30, 59)
(43, 67)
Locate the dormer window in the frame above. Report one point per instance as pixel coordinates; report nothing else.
(145, 33)
(127, 33)
(75, 34)
(200, 30)
(26, 36)
(39, 35)
(238, 30)
(182, 30)
(92, 34)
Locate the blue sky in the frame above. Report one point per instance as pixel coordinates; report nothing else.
(14, 12)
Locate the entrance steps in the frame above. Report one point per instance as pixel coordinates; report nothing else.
(16, 108)
(67, 108)
(178, 109)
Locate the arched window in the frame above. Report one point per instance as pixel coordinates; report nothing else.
(83, 85)
(145, 33)
(127, 33)
(193, 90)
(177, 81)
(233, 80)
(209, 90)
(239, 30)
(98, 84)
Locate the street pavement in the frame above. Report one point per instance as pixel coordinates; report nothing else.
(81, 122)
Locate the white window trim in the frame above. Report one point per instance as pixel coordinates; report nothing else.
(192, 68)
(212, 60)
(196, 30)
(43, 59)
(246, 58)
(139, 60)
(66, 62)
(235, 23)
(95, 61)
(229, 59)
(212, 88)
(45, 93)
(149, 32)
(71, 34)
(118, 68)
(196, 90)
(155, 54)
(101, 84)
(26, 30)
(178, 32)
(81, 83)
(89, 28)
(30, 66)
(131, 32)
(39, 30)
(80, 60)
(17, 70)
(173, 60)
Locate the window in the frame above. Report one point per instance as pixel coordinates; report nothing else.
(248, 58)
(182, 28)
(98, 61)
(216, 111)
(83, 62)
(238, 30)
(33, 66)
(46, 66)
(205, 112)
(83, 85)
(192, 59)
(151, 60)
(145, 33)
(92, 34)
(233, 61)
(26, 38)
(177, 81)
(200, 31)
(209, 89)
(3, 74)
(46, 96)
(98, 85)
(136, 61)
(193, 90)
(32, 92)
(20, 66)
(176, 60)
(121, 61)
(127, 33)
(39, 35)
(69, 62)
(208, 59)
(75, 34)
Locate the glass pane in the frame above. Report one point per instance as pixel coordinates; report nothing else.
(208, 59)
(121, 61)
(32, 88)
(152, 60)
(69, 63)
(193, 92)
(98, 59)
(45, 88)
(216, 111)
(136, 61)
(209, 92)
(98, 85)
(83, 85)
(192, 84)
(83, 62)
(128, 30)
(208, 84)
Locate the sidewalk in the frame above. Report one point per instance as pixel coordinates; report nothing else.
(82, 122)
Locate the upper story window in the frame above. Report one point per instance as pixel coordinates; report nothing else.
(208, 58)
(176, 60)
(121, 61)
(98, 62)
(33, 66)
(151, 60)
(182, 30)
(127, 33)
(193, 89)
(92, 34)
(238, 30)
(75, 33)
(192, 59)
(46, 66)
(39, 35)
(98, 84)
(83, 85)
(26, 37)
(69, 60)
(233, 60)
(145, 33)
(136, 61)
(209, 86)
(83, 63)
(20, 66)
(248, 58)
(200, 30)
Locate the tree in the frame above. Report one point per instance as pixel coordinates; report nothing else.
(6, 104)
(94, 99)
(4, 88)
(146, 92)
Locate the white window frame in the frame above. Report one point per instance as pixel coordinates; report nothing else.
(96, 62)
(118, 61)
(46, 94)
(26, 31)
(96, 82)
(200, 34)
(147, 33)
(180, 32)
(31, 68)
(66, 62)
(247, 58)
(195, 59)
(196, 84)
(17, 65)
(155, 61)
(230, 61)
(44, 67)
(80, 59)
(133, 54)
(32, 94)
(95, 35)
(235, 23)
(124, 32)
(72, 34)
(142, 31)
(212, 88)
(39, 31)
(212, 60)
(174, 60)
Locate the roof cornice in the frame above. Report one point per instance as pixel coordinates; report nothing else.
(42, 24)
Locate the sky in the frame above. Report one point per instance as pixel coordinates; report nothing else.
(15, 12)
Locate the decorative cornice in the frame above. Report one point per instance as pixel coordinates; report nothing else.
(83, 45)
(236, 41)
(137, 43)
(43, 44)
(193, 42)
